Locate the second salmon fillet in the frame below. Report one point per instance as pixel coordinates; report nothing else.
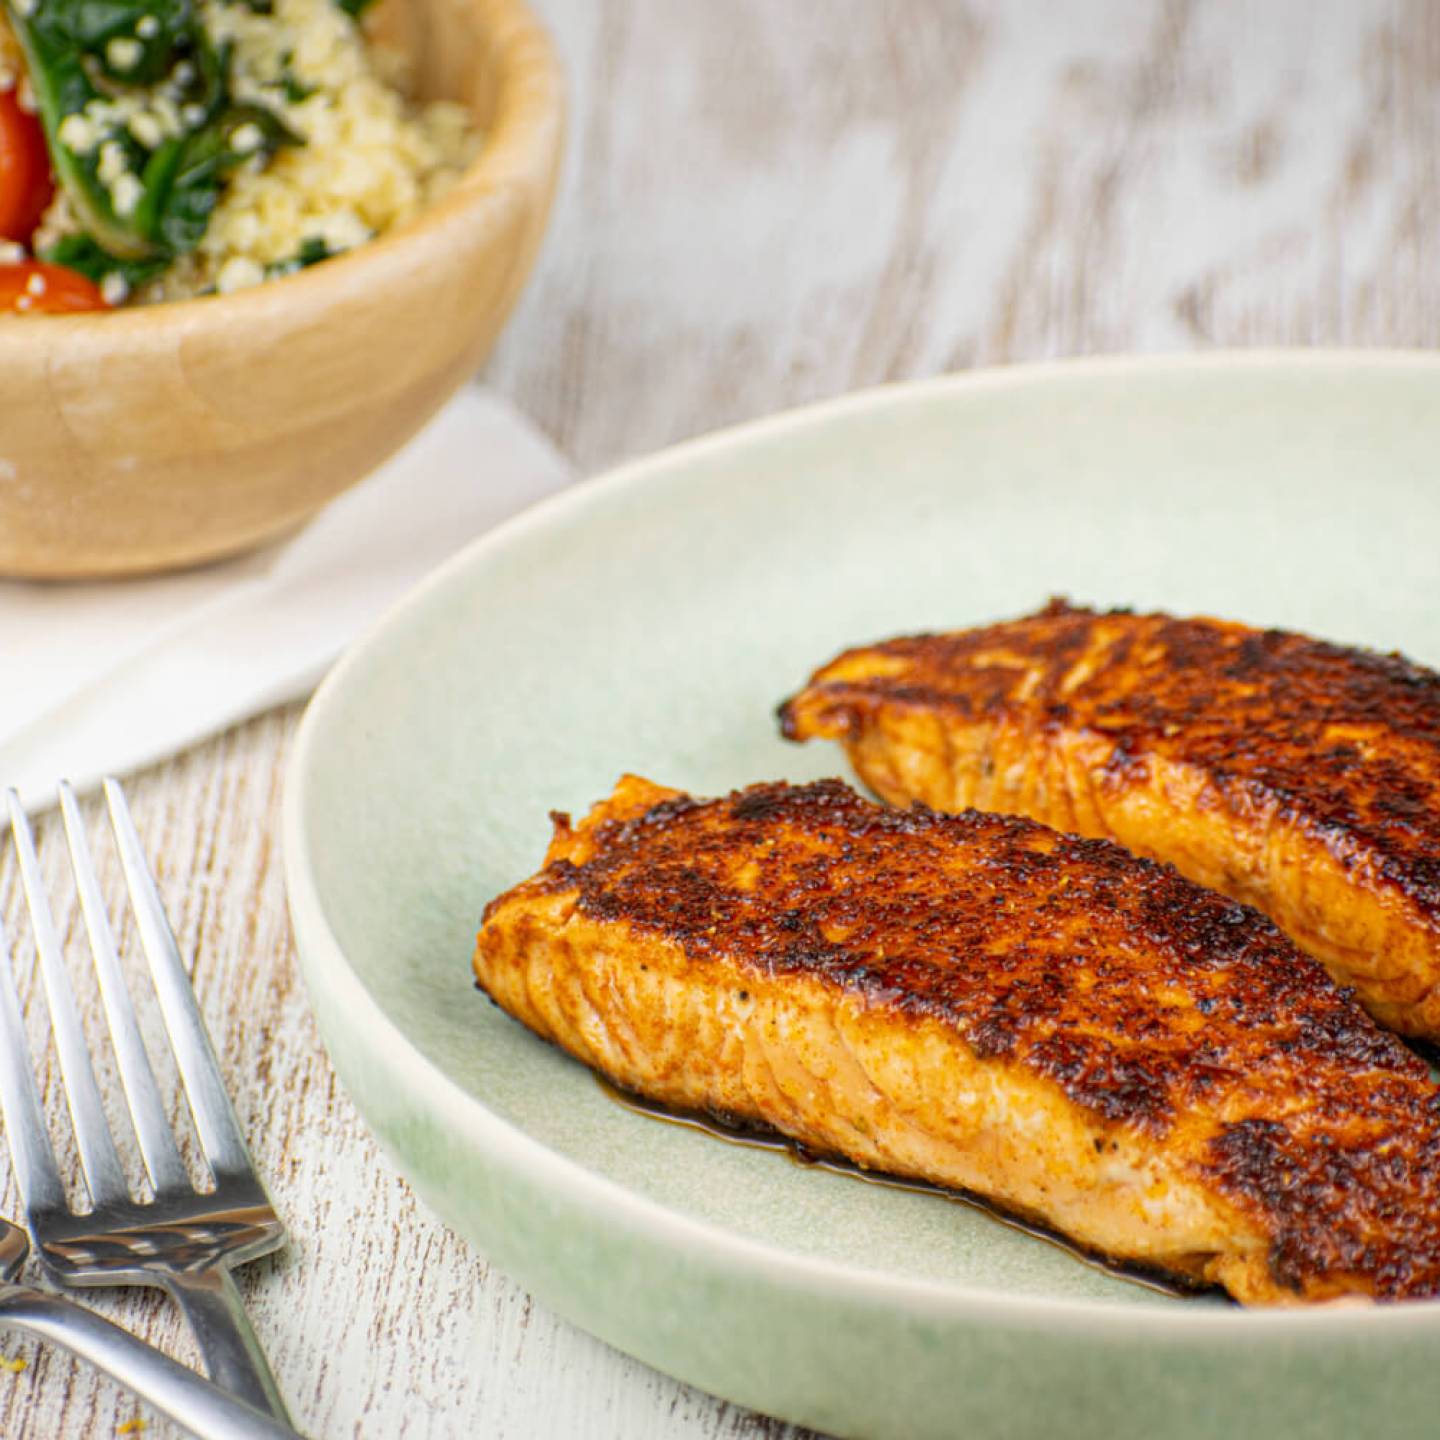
(977, 1001)
(1297, 776)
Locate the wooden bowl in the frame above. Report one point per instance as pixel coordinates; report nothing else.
(165, 436)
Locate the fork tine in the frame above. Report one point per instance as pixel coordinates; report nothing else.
(103, 1175)
(147, 1110)
(215, 1121)
(35, 1168)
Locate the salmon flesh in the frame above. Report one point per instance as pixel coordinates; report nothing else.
(1294, 775)
(977, 1001)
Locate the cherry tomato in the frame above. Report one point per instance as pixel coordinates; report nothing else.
(31, 287)
(25, 183)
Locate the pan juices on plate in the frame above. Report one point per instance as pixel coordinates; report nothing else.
(1078, 1034)
(1297, 776)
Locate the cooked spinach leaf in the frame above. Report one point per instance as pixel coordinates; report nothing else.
(311, 252)
(143, 189)
(295, 89)
(80, 252)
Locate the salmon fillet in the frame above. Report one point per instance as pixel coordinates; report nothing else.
(977, 1001)
(1294, 775)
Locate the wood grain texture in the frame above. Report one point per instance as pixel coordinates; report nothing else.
(766, 204)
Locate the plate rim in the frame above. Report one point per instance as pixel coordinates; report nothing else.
(610, 1202)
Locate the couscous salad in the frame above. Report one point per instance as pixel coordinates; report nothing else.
(162, 149)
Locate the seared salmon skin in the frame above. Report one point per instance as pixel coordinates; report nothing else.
(980, 1002)
(1294, 775)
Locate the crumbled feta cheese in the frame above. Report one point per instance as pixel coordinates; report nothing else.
(124, 52)
(114, 288)
(247, 138)
(24, 8)
(341, 230)
(147, 27)
(12, 252)
(113, 164)
(125, 194)
(146, 128)
(192, 115)
(78, 133)
(239, 272)
(167, 114)
(149, 118)
(35, 285)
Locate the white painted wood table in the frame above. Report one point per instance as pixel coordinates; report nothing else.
(766, 202)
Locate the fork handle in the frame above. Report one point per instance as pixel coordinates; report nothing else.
(192, 1402)
(227, 1340)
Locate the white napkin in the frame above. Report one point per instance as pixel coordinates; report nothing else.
(98, 679)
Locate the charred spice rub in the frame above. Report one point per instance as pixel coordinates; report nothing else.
(1176, 1029)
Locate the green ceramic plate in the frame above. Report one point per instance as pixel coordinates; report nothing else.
(650, 621)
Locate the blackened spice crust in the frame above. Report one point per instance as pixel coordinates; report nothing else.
(1341, 743)
(1150, 1002)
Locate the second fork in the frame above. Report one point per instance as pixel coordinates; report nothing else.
(184, 1239)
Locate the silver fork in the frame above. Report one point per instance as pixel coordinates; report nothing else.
(182, 1240)
(196, 1405)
